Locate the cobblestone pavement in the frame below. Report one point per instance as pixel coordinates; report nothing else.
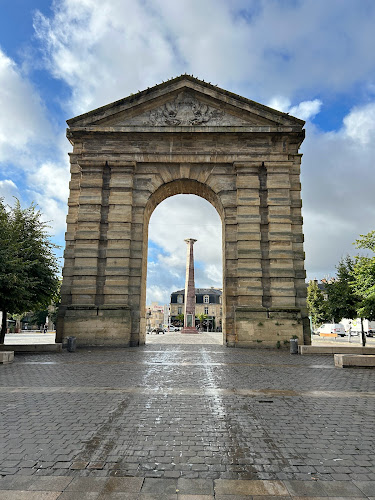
(178, 412)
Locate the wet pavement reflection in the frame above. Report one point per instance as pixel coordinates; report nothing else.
(194, 410)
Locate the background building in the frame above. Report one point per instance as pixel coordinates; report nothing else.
(156, 316)
(208, 301)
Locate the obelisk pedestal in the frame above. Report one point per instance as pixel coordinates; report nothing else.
(189, 316)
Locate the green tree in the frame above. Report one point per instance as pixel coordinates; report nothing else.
(316, 305)
(28, 266)
(364, 280)
(201, 317)
(180, 318)
(39, 317)
(341, 297)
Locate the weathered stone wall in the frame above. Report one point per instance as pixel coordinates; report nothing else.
(251, 175)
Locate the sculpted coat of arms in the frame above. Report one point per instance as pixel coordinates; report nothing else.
(185, 109)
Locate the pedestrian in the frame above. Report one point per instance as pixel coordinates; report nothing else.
(350, 331)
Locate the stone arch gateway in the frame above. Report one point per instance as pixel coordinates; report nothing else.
(184, 136)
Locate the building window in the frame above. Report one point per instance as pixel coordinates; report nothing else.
(179, 299)
(179, 310)
(206, 310)
(206, 299)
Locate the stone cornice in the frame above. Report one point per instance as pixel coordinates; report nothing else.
(89, 163)
(79, 131)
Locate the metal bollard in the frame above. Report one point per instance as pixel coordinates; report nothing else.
(293, 346)
(71, 344)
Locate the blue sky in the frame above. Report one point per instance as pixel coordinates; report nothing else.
(311, 58)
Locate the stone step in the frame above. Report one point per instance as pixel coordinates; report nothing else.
(6, 357)
(353, 360)
(332, 349)
(31, 347)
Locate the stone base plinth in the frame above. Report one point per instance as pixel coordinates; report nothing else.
(96, 326)
(268, 328)
(189, 329)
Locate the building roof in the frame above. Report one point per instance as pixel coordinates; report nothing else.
(201, 291)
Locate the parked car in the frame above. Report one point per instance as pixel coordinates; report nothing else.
(331, 330)
(157, 330)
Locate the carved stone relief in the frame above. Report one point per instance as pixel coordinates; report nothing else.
(185, 110)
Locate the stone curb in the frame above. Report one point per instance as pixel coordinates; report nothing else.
(53, 487)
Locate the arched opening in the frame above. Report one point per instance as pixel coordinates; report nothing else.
(176, 211)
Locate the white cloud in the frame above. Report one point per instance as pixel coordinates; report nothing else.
(52, 180)
(306, 109)
(53, 211)
(23, 120)
(214, 273)
(27, 142)
(159, 294)
(8, 190)
(279, 102)
(360, 124)
(337, 189)
(105, 49)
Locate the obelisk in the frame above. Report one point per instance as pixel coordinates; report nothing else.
(189, 316)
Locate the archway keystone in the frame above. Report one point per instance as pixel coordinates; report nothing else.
(184, 136)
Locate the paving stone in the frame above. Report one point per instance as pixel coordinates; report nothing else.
(305, 488)
(172, 474)
(84, 484)
(79, 495)
(195, 486)
(79, 465)
(15, 482)
(243, 487)
(367, 487)
(155, 486)
(341, 489)
(324, 498)
(267, 497)
(123, 484)
(94, 465)
(45, 483)
(195, 497)
(29, 495)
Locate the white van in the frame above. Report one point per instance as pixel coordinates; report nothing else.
(331, 330)
(368, 327)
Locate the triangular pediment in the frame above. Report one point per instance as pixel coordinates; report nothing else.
(184, 108)
(184, 101)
